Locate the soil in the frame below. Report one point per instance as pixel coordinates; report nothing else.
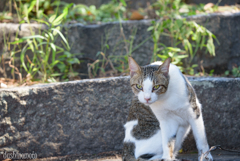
(8, 83)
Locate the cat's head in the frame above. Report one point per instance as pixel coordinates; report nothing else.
(149, 82)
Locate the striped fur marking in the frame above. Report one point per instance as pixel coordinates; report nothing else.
(192, 97)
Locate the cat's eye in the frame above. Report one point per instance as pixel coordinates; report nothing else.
(139, 86)
(156, 87)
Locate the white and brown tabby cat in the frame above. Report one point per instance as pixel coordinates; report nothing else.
(162, 113)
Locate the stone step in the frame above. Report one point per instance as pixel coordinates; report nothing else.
(217, 155)
(87, 40)
(87, 116)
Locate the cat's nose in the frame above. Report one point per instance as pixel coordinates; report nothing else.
(147, 98)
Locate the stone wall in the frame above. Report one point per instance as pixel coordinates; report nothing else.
(87, 40)
(91, 38)
(88, 116)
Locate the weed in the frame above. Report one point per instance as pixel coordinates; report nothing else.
(187, 37)
(49, 60)
(105, 13)
(235, 71)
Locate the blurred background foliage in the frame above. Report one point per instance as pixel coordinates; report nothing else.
(51, 62)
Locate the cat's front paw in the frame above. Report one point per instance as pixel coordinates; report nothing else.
(205, 157)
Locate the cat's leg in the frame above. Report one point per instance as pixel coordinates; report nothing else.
(128, 151)
(198, 129)
(181, 134)
(200, 137)
(171, 145)
(169, 130)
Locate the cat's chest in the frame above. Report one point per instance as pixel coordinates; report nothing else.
(178, 117)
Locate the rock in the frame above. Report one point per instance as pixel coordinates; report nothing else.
(225, 26)
(87, 116)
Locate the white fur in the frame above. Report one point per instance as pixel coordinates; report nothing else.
(144, 146)
(175, 115)
(147, 93)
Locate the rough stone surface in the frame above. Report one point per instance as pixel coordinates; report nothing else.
(90, 39)
(68, 118)
(217, 156)
(88, 116)
(220, 105)
(226, 27)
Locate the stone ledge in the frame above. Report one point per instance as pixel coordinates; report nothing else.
(88, 116)
(225, 26)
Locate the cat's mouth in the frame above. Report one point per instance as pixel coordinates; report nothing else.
(148, 103)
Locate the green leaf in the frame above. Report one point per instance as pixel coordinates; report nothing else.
(55, 74)
(194, 65)
(33, 3)
(51, 80)
(63, 38)
(30, 43)
(22, 55)
(174, 49)
(58, 20)
(17, 41)
(34, 37)
(68, 54)
(211, 47)
(73, 61)
(163, 57)
(124, 3)
(102, 69)
(170, 54)
(54, 63)
(227, 72)
(52, 18)
(61, 67)
(150, 28)
(181, 56)
(202, 42)
(57, 28)
(187, 46)
(35, 69)
(54, 51)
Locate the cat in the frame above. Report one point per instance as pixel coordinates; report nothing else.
(162, 112)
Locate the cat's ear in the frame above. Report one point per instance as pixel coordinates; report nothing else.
(164, 68)
(133, 66)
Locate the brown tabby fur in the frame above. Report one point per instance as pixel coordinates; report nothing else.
(148, 124)
(154, 73)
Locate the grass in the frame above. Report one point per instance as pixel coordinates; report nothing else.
(51, 62)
